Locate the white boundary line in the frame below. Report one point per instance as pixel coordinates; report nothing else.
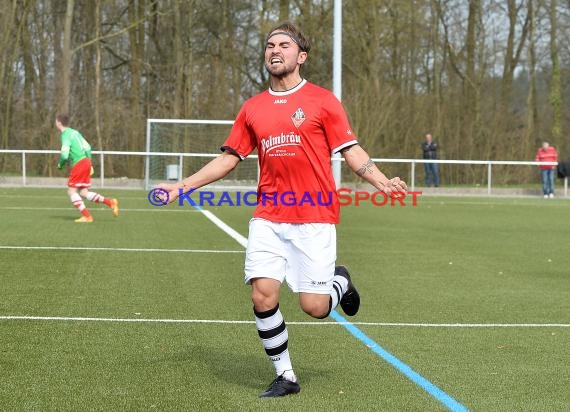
(243, 242)
(115, 249)
(323, 323)
(227, 229)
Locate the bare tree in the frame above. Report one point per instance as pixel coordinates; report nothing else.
(460, 69)
(66, 63)
(555, 83)
(98, 79)
(532, 102)
(13, 20)
(513, 51)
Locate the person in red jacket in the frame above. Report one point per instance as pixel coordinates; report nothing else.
(547, 153)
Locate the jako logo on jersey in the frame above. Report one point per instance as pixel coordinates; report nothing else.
(272, 142)
(298, 117)
(280, 101)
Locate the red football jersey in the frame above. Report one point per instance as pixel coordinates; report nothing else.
(295, 133)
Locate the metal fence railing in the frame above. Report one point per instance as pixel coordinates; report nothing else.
(28, 168)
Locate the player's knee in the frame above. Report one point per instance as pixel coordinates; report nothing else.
(264, 293)
(262, 302)
(317, 309)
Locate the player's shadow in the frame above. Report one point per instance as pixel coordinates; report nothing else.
(69, 218)
(231, 365)
(251, 370)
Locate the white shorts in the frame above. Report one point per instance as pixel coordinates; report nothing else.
(303, 254)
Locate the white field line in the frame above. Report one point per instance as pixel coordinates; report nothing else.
(322, 323)
(243, 241)
(116, 249)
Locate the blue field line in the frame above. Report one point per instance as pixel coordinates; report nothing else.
(415, 377)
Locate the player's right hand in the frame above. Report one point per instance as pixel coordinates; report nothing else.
(169, 192)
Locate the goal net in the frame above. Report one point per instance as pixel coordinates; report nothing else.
(177, 148)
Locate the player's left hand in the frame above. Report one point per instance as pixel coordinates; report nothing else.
(395, 185)
(92, 171)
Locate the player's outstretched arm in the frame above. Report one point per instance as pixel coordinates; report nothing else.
(211, 172)
(359, 161)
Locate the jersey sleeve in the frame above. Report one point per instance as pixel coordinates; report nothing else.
(64, 152)
(241, 141)
(87, 148)
(336, 124)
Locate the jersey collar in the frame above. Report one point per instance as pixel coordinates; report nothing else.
(290, 91)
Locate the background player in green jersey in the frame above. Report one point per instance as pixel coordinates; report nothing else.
(76, 150)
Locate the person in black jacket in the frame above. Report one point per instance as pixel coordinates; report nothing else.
(429, 147)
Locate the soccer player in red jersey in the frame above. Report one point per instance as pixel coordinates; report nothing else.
(76, 150)
(295, 127)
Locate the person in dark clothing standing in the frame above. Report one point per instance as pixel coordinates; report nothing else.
(429, 147)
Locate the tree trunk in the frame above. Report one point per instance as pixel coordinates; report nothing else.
(7, 54)
(97, 103)
(555, 83)
(469, 85)
(136, 37)
(66, 54)
(532, 138)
